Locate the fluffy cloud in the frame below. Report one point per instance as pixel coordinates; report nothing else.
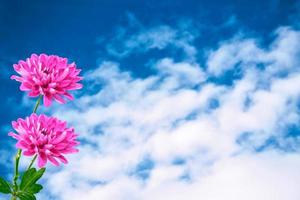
(181, 133)
(280, 56)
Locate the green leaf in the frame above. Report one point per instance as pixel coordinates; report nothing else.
(4, 186)
(30, 177)
(26, 176)
(35, 188)
(25, 196)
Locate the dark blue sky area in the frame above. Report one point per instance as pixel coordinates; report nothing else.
(71, 29)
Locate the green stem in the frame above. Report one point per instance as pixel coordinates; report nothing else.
(32, 161)
(37, 104)
(18, 156)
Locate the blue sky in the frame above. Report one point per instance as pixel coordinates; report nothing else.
(181, 99)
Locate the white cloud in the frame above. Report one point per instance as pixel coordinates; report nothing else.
(231, 53)
(285, 50)
(135, 38)
(168, 118)
(282, 54)
(268, 176)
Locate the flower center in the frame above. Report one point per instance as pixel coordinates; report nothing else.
(46, 71)
(44, 132)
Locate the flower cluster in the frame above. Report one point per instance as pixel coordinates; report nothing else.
(47, 137)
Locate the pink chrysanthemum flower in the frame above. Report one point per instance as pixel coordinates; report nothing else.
(45, 136)
(50, 76)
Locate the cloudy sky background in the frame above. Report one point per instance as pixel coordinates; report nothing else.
(181, 100)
